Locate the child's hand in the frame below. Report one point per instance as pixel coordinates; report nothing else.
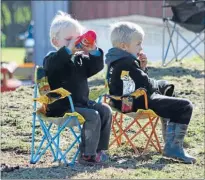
(71, 45)
(88, 47)
(143, 60)
(87, 42)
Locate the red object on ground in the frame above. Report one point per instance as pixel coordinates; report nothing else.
(8, 83)
(88, 38)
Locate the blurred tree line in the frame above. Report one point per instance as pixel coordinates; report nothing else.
(15, 18)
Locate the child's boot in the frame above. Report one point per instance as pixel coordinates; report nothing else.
(164, 122)
(170, 131)
(176, 150)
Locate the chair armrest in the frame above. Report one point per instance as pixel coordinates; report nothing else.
(141, 92)
(137, 93)
(71, 103)
(51, 97)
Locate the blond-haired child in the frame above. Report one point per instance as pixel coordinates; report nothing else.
(70, 68)
(126, 56)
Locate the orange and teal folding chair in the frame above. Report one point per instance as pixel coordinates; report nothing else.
(50, 139)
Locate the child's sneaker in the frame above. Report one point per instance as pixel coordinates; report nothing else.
(87, 160)
(102, 157)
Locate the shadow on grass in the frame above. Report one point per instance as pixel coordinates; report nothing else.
(141, 162)
(160, 72)
(177, 71)
(54, 172)
(157, 165)
(62, 171)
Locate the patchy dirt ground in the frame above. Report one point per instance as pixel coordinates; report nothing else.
(16, 120)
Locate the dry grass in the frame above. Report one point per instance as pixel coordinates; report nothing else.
(16, 136)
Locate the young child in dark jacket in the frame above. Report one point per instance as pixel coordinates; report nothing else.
(70, 69)
(126, 57)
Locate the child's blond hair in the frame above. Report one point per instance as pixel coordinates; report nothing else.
(61, 21)
(125, 32)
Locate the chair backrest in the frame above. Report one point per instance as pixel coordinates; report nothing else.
(185, 11)
(46, 95)
(41, 80)
(174, 3)
(189, 14)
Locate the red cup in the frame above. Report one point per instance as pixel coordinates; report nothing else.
(86, 39)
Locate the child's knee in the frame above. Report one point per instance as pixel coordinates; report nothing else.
(107, 110)
(96, 115)
(188, 104)
(95, 121)
(93, 117)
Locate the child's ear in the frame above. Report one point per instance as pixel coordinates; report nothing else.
(124, 46)
(55, 42)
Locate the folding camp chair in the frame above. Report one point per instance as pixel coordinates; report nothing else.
(53, 127)
(142, 122)
(189, 15)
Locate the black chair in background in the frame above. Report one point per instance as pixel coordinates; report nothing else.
(188, 14)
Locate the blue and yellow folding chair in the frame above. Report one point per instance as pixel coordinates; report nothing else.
(50, 139)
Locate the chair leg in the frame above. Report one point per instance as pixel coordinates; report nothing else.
(33, 126)
(42, 141)
(70, 147)
(121, 121)
(172, 43)
(51, 140)
(116, 137)
(77, 140)
(78, 150)
(115, 134)
(35, 156)
(149, 137)
(123, 132)
(153, 132)
(189, 44)
(142, 129)
(33, 139)
(156, 137)
(114, 120)
(58, 143)
(72, 163)
(169, 43)
(76, 154)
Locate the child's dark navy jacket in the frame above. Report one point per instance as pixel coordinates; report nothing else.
(119, 61)
(71, 72)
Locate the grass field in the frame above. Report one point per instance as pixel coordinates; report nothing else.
(16, 118)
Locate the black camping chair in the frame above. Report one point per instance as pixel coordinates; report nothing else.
(188, 14)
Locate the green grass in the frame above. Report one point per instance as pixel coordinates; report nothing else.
(12, 55)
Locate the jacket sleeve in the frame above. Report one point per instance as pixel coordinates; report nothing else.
(93, 63)
(57, 60)
(146, 69)
(140, 78)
